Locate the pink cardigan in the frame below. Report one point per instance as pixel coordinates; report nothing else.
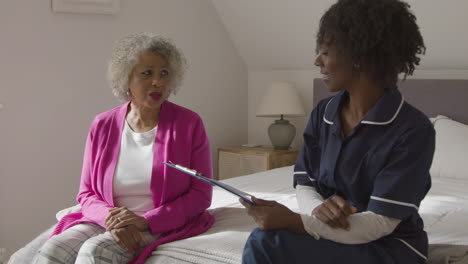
(180, 200)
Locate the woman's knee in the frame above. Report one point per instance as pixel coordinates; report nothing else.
(102, 247)
(55, 252)
(94, 247)
(50, 247)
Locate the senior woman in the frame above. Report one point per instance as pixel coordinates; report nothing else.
(130, 201)
(364, 166)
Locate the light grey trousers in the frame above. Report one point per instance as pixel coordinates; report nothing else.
(85, 244)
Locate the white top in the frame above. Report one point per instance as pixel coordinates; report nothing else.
(132, 179)
(364, 227)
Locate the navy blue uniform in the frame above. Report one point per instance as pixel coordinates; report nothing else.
(382, 166)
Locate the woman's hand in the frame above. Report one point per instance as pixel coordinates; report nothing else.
(270, 215)
(120, 217)
(335, 212)
(129, 238)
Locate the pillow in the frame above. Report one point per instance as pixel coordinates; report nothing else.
(69, 210)
(451, 149)
(434, 119)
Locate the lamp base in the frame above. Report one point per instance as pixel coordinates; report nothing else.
(281, 134)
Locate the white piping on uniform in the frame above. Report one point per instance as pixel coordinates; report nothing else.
(412, 248)
(394, 202)
(300, 172)
(389, 121)
(324, 119)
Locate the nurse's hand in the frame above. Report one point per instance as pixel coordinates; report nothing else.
(270, 215)
(335, 212)
(120, 217)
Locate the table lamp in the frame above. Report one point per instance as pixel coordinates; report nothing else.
(281, 100)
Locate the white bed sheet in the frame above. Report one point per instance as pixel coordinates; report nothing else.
(444, 210)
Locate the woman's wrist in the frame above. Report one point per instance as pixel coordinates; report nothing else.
(144, 226)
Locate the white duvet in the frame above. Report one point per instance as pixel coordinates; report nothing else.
(444, 210)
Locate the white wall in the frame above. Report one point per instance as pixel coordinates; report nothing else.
(260, 80)
(52, 84)
(280, 35)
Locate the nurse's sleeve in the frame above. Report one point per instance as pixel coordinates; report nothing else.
(307, 198)
(308, 161)
(365, 227)
(404, 181)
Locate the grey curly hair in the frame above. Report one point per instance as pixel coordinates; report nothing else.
(125, 55)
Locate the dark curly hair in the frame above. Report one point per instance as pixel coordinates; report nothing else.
(378, 37)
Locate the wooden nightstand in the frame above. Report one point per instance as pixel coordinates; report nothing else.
(237, 161)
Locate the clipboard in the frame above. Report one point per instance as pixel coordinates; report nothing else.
(243, 195)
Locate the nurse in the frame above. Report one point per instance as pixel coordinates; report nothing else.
(364, 166)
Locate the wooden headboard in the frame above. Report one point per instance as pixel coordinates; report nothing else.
(433, 97)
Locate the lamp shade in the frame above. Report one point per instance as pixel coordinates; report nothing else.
(281, 98)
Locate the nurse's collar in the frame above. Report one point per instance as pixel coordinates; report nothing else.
(382, 113)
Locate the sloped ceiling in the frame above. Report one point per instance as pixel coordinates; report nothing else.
(280, 34)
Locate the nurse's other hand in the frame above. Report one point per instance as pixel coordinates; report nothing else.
(270, 215)
(335, 212)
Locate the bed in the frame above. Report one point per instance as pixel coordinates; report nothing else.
(444, 210)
